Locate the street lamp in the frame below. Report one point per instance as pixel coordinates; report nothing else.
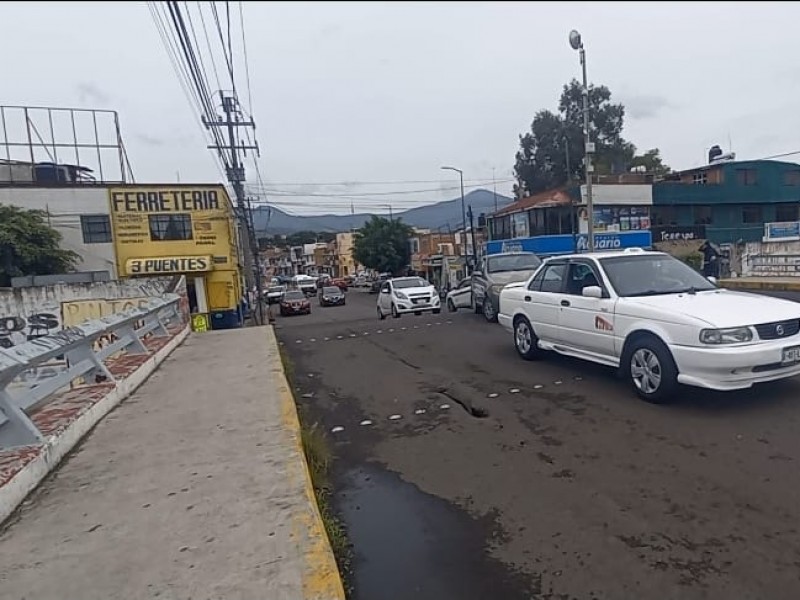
(463, 211)
(577, 44)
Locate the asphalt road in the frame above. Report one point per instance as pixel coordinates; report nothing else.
(499, 478)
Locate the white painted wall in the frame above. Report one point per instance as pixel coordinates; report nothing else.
(771, 259)
(66, 204)
(620, 194)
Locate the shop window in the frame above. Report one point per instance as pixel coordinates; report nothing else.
(96, 229)
(791, 177)
(752, 214)
(536, 222)
(702, 215)
(746, 176)
(170, 228)
(664, 216)
(787, 212)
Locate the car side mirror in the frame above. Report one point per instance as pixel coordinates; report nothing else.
(712, 279)
(592, 291)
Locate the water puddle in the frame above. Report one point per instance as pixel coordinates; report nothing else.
(409, 544)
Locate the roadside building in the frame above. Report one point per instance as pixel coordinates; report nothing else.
(181, 230)
(346, 263)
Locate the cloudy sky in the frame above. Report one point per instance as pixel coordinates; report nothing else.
(389, 92)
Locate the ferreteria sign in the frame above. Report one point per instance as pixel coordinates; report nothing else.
(164, 200)
(168, 264)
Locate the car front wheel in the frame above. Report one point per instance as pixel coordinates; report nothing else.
(525, 340)
(651, 370)
(489, 311)
(395, 314)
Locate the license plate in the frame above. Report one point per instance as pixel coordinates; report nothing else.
(791, 355)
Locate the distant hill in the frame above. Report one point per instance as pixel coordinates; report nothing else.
(275, 221)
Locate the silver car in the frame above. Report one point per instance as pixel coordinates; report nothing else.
(493, 273)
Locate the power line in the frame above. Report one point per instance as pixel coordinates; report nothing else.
(208, 44)
(395, 182)
(246, 61)
(357, 195)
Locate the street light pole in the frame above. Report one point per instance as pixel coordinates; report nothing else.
(577, 44)
(463, 214)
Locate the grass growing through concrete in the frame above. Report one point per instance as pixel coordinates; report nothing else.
(320, 460)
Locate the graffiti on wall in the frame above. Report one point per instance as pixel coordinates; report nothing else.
(14, 329)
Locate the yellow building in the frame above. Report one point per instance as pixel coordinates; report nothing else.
(344, 254)
(181, 230)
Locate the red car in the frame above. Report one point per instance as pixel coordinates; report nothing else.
(294, 302)
(340, 282)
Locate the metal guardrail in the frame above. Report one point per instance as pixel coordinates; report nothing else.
(84, 359)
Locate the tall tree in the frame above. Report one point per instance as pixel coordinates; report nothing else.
(552, 153)
(382, 244)
(650, 162)
(29, 246)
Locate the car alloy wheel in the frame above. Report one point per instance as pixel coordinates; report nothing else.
(646, 371)
(488, 310)
(523, 337)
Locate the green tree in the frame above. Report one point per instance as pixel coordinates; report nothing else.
(650, 162)
(552, 153)
(29, 246)
(382, 244)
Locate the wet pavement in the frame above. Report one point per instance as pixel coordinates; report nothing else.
(464, 472)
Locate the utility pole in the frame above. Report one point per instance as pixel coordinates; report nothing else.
(236, 178)
(472, 231)
(577, 44)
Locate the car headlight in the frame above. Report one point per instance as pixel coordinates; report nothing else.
(400, 295)
(732, 335)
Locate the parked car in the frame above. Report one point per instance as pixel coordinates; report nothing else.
(275, 293)
(339, 282)
(404, 295)
(332, 296)
(375, 286)
(493, 273)
(295, 302)
(460, 296)
(305, 283)
(656, 319)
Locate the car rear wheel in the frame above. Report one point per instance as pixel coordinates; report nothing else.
(525, 340)
(651, 370)
(450, 306)
(489, 311)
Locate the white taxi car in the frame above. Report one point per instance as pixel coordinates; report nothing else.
(404, 295)
(656, 319)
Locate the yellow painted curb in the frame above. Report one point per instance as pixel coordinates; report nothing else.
(321, 579)
(775, 286)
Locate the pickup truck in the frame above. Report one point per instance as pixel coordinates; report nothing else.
(493, 273)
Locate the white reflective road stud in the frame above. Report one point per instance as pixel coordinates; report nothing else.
(444, 406)
(493, 395)
(395, 417)
(337, 429)
(419, 411)
(513, 391)
(365, 422)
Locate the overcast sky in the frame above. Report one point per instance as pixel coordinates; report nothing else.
(368, 92)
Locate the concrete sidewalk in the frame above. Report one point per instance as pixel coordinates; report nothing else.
(195, 487)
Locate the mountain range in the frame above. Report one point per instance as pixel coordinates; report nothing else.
(271, 220)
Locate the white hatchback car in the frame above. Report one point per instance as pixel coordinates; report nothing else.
(656, 319)
(404, 295)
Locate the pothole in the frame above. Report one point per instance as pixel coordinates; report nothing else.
(473, 411)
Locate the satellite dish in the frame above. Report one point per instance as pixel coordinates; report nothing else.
(575, 40)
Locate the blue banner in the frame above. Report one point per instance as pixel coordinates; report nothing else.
(789, 230)
(545, 245)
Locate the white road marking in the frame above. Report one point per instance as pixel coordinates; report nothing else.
(395, 417)
(311, 375)
(313, 340)
(379, 331)
(297, 341)
(444, 406)
(391, 331)
(428, 324)
(337, 429)
(513, 391)
(338, 337)
(419, 411)
(449, 322)
(578, 378)
(438, 322)
(352, 335)
(493, 395)
(538, 386)
(558, 382)
(327, 339)
(403, 328)
(365, 422)
(308, 395)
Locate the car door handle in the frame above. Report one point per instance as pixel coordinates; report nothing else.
(565, 303)
(527, 298)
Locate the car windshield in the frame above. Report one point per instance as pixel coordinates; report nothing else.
(653, 274)
(294, 295)
(331, 291)
(409, 282)
(513, 262)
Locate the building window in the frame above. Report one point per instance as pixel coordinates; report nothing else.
(787, 212)
(664, 216)
(702, 215)
(170, 228)
(700, 178)
(96, 229)
(791, 177)
(746, 176)
(752, 214)
(501, 228)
